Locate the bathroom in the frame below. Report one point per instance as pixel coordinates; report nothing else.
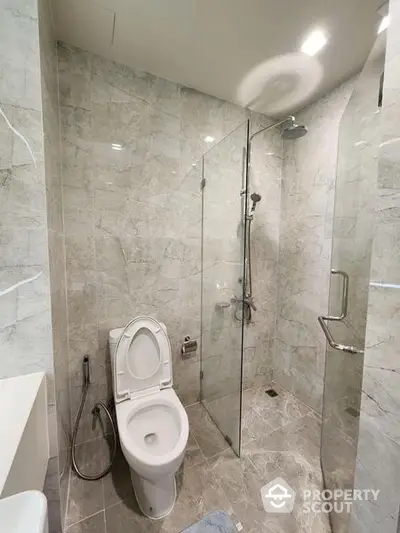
(227, 193)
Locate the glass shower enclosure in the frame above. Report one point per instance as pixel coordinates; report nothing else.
(345, 324)
(224, 204)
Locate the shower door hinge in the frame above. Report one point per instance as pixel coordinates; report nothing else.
(203, 183)
(201, 374)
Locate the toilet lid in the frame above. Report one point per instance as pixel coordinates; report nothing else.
(142, 361)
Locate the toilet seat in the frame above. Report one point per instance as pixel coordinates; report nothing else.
(133, 431)
(142, 361)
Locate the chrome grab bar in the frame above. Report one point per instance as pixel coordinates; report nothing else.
(333, 343)
(343, 314)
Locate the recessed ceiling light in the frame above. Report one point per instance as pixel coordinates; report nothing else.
(314, 43)
(209, 139)
(384, 24)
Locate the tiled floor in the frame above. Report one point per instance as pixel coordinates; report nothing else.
(281, 438)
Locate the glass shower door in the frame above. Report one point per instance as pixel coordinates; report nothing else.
(223, 233)
(345, 324)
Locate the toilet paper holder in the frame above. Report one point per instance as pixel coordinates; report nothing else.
(188, 346)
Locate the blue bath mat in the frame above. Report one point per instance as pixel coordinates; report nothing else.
(215, 522)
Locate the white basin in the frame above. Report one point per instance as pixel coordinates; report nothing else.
(24, 437)
(25, 512)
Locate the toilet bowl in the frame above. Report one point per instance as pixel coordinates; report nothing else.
(152, 423)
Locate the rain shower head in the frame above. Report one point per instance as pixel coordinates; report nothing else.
(292, 131)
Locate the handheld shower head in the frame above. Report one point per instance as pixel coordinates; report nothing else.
(255, 198)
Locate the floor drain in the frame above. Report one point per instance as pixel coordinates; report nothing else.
(353, 412)
(272, 393)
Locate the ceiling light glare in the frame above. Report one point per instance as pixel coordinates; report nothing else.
(116, 146)
(314, 43)
(384, 24)
(209, 139)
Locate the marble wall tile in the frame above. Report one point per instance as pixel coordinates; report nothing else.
(56, 245)
(33, 328)
(19, 33)
(305, 232)
(132, 209)
(26, 323)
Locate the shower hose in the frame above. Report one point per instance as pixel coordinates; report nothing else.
(95, 411)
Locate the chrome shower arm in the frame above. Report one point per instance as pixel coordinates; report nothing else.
(271, 126)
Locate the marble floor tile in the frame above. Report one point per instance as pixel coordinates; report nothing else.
(303, 437)
(93, 524)
(199, 493)
(242, 484)
(86, 497)
(208, 437)
(193, 454)
(253, 426)
(276, 411)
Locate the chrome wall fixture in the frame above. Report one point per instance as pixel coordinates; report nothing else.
(188, 346)
(323, 319)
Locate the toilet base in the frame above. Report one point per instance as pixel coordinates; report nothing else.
(155, 500)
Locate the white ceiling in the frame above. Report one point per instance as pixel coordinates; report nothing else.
(212, 45)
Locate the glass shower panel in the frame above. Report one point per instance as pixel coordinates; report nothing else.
(353, 221)
(224, 198)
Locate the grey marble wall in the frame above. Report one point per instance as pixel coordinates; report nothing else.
(378, 463)
(307, 195)
(132, 215)
(25, 329)
(56, 248)
(132, 209)
(26, 340)
(26, 336)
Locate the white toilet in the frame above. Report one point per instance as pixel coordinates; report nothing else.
(152, 423)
